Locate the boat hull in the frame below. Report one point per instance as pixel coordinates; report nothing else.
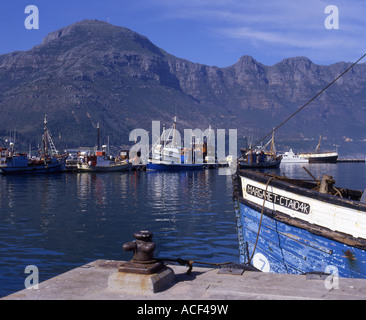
(39, 168)
(112, 168)
(255, 165)
(294, 160)
(323, 159)
(174, 167)
(275, 237)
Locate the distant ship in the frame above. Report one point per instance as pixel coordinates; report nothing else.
(311, 157)
(292, 157)
(320, 157)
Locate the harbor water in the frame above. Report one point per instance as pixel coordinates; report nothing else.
(61, 221)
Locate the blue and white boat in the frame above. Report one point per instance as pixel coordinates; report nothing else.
(168, 155)
(300, 226)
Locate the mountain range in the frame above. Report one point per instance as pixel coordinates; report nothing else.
(93, 72)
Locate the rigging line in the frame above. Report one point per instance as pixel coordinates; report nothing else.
(312, 99)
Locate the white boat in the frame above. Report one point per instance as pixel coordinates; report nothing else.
(100, 162)
(170, 156)
(292, 157)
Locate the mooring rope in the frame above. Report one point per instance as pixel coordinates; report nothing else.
(260, 221)
(189, 263)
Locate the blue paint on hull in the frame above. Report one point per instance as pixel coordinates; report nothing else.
(289, 249)
(260, 165)
(174, 167)
(38, 168)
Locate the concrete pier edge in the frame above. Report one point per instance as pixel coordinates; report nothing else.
(90, 282)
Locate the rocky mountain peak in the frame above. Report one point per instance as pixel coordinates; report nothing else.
(93, 71)
(100, 34)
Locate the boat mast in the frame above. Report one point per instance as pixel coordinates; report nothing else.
(45, 139)
(318, 146)
(174, 127)
(273, 149)
(98, 135)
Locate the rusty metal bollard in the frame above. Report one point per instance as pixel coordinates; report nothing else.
(143, 261)
(143, 247)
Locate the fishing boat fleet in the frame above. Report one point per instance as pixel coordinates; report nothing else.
(167, 154)
(48, 159)
(284, 225)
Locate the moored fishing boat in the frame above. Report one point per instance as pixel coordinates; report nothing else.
(48, 161)
(101, 162)
(260, 158)
(300, 226)
(170, 156)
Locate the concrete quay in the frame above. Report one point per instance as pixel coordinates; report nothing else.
(90, 282)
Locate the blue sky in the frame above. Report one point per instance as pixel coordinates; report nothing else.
(212, 32)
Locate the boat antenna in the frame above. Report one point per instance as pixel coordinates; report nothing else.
(311, 100)
(98, 135)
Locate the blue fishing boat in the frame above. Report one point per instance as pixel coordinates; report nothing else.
(260, 158)
(168, 155)
(48, 161)
(300, 226)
